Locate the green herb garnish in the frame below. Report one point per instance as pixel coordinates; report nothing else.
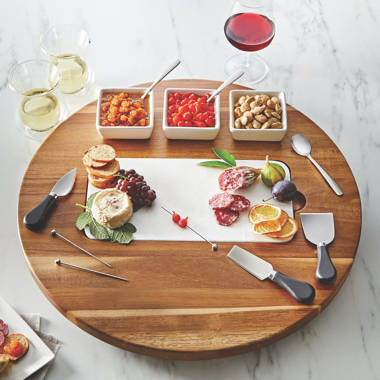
(122, 235)
(227, 157)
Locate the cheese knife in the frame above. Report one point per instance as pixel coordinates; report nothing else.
(302, 291)
(319, 229)
(35, 219)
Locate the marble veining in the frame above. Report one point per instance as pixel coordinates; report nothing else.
(325, 56)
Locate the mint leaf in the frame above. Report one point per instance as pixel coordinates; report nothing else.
(83, 219)
(123, 234)
(98, 231)
(216, 164)
(225, 156)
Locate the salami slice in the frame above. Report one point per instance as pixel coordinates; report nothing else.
(237, 177)
(220, 201)
(226, 217)
(4, 327)
(240, 203)
(2, 338)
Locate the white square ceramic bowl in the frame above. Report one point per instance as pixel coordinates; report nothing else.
(257, 134)
(124, 132)
(190, 133)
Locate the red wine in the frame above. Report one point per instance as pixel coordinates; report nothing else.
(249, 31)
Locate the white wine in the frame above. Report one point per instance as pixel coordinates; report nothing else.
(74, 73)
(39, 110)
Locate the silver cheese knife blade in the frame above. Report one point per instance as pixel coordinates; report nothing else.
(319, 230)
(261, 269)
(35, 218)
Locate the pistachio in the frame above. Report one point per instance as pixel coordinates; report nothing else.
(237, 123)
(261, 118)
(268, 112)
(245, 107)
(237, 112)
(244, 120)
(276, 115)
(241, 100)
(249, 126)
(270, 104)
(256, 124)
(275, 100)
(248, 115)
(277, 125)
(266, 125)
(258, 110)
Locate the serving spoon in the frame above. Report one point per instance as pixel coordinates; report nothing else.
(231, 79)
(301, 145)
(161, 77)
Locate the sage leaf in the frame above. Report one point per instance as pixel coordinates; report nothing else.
(216, 164)
(83, 219)
(123, 234)
(98, 231)
(90, 200)
(225, 156)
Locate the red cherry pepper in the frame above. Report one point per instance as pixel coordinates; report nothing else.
(176, 217)
(183, 222)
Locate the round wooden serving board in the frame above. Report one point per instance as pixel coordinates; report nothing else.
(184, 301)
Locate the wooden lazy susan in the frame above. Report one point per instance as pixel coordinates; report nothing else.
(184, 301)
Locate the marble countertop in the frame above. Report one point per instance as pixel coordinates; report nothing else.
(325, 56)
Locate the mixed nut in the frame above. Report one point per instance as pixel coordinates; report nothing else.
(258, 112)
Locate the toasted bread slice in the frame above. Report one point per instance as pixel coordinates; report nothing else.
(101, 183)
(23, 340)
(107, 171)
(89, 163)
(102, 153)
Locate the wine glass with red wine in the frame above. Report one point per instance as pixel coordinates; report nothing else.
(249, 28)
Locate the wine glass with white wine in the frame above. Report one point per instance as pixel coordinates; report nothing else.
(66, 46)
(36, 82)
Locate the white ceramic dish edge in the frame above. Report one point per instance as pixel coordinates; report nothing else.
(258, 134)
(190, 133)
(123, 132)
(38, 355)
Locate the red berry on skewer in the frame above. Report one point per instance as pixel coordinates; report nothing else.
(176, 217)
(183, 222)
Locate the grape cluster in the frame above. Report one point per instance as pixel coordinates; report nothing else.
(138, 190)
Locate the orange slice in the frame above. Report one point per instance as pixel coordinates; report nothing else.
(264, 212)
(271, 226)
(288, 230)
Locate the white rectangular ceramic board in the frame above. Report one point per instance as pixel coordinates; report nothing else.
(185, 187)
(38, 354)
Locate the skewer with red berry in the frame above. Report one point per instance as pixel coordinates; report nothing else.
(182, 222)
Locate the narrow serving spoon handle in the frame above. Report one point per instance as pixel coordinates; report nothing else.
(231, 79)
(337, 190)
(161, 77)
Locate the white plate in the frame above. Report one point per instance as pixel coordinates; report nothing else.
(38, 354)
(184, 186)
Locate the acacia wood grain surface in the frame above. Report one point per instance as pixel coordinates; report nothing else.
(184, 301)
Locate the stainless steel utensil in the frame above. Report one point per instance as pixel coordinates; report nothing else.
(302, 291)
(35, 218)
(231, 79)
(59, 262)
(161, 77)
(55, 233)
(319, 230)
(301, 145)
(213, 245)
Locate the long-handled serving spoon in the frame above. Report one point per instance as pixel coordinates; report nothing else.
(301, 145)
(161, 77)
(231, 79)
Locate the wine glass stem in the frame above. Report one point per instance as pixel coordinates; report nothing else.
(247, 59)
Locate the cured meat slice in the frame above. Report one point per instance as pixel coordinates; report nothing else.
(240, 203)
(226, 217)
(2, 338)
(4, 328)
(237, 177)
(222, 200)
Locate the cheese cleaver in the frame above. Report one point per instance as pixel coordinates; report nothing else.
(261, 269)
(319, 230)
(36, 218)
